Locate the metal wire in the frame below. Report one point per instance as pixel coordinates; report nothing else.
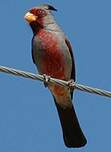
(72, 85)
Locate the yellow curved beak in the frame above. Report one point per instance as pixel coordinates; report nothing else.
(29, 17)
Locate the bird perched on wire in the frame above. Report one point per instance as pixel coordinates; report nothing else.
(53, 56)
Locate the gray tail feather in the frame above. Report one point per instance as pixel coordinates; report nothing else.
(72, 133)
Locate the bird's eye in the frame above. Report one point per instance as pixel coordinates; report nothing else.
(41, 13)
(38, 12)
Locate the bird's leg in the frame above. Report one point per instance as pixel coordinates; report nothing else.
(71, 84)
(46, 80)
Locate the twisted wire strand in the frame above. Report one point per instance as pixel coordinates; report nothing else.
(73, 85)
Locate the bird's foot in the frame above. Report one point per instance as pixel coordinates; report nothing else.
(46, 80)
(71, 84)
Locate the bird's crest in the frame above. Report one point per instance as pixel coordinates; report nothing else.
(49, 7)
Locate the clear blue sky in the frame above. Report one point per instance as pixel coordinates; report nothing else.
(28, 117)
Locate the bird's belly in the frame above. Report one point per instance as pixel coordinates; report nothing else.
(53, 64)
(52, 56)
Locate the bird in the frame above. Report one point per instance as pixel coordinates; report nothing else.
(53, 56)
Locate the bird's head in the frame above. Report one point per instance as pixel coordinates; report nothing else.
(38, 17)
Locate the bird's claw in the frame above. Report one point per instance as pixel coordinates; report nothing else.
(71, 84)
(46, 80)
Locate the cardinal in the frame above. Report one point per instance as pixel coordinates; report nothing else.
(52, 54)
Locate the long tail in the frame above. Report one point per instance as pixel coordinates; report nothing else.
(72, 133)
